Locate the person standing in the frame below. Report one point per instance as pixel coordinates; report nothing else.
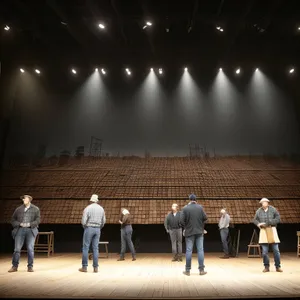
(25, 222)
(192, 219)
(93, 220)
(224, 231)
(266, 218)
(126, 234)
(173, 227)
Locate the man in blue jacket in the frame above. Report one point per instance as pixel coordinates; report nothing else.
(192, 219)
(25, 222)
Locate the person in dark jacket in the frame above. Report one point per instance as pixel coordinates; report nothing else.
(25, 222)
(126, 234)
(173, 227)
(192, 219)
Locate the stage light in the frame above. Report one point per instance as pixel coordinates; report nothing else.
(37, 71)
(151, 69)
(74, 71)
(256, 69)
(101, 26)
(128, 71)
(291, 70)
(299, 28)
(160, 71)
(22, 70)
(147, 24)
(220, 69)
(96, 69)
(103, 71)
(238, 71)
(220, 28)
(185, 69)
(6, 28)
(63, 23)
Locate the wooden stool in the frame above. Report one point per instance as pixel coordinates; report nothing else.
(47, 247)
(106, 249)
(298, 246)
(254, 245)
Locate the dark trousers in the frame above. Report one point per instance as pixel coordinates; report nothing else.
(176, 240)
(24, 234)
(224, 238)
(126, 234)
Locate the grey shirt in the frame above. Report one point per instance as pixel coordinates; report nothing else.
(93, 216)
(224, 221)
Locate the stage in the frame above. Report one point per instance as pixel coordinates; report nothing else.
(150, 276)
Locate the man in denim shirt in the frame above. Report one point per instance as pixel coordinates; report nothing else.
(268, 216)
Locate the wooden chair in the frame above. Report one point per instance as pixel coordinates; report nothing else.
(254, 245)
(48, 246)
(106, 249)
(298, 246)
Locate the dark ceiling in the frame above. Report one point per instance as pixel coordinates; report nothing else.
(64, 31)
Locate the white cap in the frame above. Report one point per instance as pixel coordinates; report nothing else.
(264, 200)
(94, 198)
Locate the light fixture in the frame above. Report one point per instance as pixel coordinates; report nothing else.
(6, 27)
(74, 71)
(96, 69)
(256, 70)
(220, 28)
(185, 69)
(128, 71)
(298, 28)
(220, 69)
(63, 23)
(151, 69)
(22, 70)
(37, 71)
(238, 71)
(291, 70)
(103, 71)
(101, 26)
(160, 71)
(148, 24)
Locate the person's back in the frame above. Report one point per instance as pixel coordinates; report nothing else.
(193, 218)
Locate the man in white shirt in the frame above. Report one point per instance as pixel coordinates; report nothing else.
(224, 231)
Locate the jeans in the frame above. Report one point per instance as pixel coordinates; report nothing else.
(224, 238)
(126, 234)
(90, 235)
(23, 234)
(176, 240)
(276, 253)
(190, 240)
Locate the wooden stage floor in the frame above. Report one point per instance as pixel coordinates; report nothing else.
(150, 276)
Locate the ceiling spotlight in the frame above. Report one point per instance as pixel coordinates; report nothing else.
(220, 28)
(128, 71)
(37, 71)
(74, 71)
(220, 69)
(147, 24)
(238, 71)
(22, 70)
(256, 70)
(151, 69)
(103, 71)
(101, 26)
(96, 69)
(6, 27)
(63, 23)
(185, 69)
(160, 71)
(291, 70)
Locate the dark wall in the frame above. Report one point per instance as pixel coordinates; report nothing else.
(147, 238)
(247, 114)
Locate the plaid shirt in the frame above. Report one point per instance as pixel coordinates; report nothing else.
(32, 216)
(271, 217)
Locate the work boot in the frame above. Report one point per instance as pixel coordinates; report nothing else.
(279, 270)
(187, 273)
(202, 272)
(225, 256)
(133, 259)
(266, 269)
(174, 258)
(83, 269)
(121, 258)
(179, 258)
(30, 269)
(95, 269)
(13, 269)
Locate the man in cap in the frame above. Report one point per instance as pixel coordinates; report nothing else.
(268, 216)
(192, 219)
(25, 222)
(173, 227)
(93, 220)
(224, 231)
